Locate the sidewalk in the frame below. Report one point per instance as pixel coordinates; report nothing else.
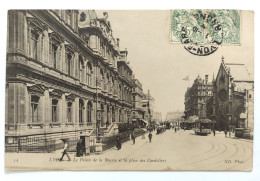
(49, 161)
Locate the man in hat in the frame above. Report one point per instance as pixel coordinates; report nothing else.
(150, 137)
(65, 150)
(79, 148)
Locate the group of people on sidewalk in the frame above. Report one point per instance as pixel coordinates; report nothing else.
(132, 137)
(79, 146)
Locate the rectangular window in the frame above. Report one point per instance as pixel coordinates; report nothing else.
(69, 112)
(68, 62)
(34, 108)
(34, 41)
(54, 55)
(54, 110)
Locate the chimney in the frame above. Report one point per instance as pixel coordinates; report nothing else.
(117, 42)
(206, 79)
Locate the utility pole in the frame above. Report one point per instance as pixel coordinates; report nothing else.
(149, 111)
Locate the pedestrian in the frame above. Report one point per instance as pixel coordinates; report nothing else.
(150, 137)
(225, 133)
(133, 138)
(229, 133)
(79, 148)
(214, 132)
(175, 129)
(118, 142)
(184, 128)
(65, 149)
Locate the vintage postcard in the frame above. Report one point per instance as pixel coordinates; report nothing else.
(134, 90)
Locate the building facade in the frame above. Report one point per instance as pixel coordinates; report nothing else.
(137, 97)
(232, 105)
(196, 97)
(65, 75)
(148, 104)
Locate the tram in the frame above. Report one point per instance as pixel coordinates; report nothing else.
(189, 123)
(203, 126)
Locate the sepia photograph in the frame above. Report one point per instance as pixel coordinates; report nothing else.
(129, 90)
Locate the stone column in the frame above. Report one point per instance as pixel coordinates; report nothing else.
(76, 108)
(16, 103)
(17, 32)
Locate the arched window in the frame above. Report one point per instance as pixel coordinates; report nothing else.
(34, 108)
(81, 108)
(69, 112)
(82, 17)
(88, 74)
(81, 67)
(89, 111)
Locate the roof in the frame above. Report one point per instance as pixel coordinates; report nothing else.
(239, 72)
(205, 121)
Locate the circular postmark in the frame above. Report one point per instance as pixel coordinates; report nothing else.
(199, 39)
(202, 32)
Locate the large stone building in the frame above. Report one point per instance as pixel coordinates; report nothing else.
(137, 97)
(232, 105)
(196, 96)
(65, 76)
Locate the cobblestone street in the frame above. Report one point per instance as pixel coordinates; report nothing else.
(168, 150)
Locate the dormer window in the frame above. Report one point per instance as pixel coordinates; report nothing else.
(82, 17)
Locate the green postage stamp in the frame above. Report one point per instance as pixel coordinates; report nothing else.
(205, 27)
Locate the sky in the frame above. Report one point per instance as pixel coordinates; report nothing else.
(161, 65)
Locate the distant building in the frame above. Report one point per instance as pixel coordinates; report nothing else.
(175, 117)
(148, 103)
(157, 117)
(137, 97)
(232, 104)
(196, 97)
